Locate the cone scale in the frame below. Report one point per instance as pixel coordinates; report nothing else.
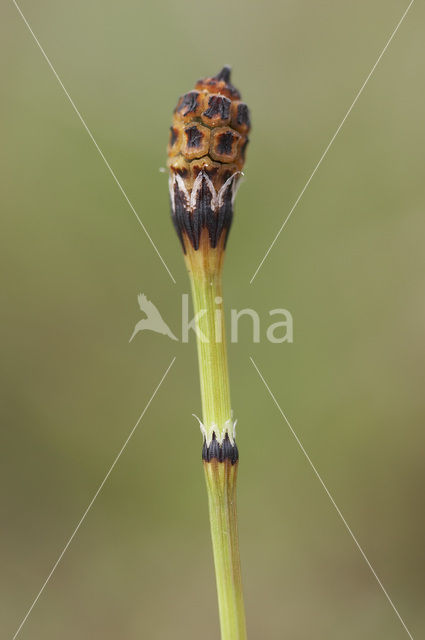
(206, 154)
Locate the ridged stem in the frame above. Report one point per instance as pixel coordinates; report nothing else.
(212, 353)
(221, 487)
(205, 274)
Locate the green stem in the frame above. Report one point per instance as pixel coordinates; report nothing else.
(212, 354)
(221, 487)
(220, 476)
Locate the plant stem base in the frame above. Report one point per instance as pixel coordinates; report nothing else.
(221, 487)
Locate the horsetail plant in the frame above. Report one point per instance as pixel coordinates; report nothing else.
(206, 155)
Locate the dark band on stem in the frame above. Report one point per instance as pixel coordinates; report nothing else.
(207, 212)
(220, 452)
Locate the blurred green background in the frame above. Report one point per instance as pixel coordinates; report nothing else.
(349, 266)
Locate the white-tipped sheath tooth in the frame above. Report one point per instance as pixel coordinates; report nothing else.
(197, 185)
(201, 426)
(230, 181)
(208, 431)
(229, 428)
(182, 188)
(171, 181)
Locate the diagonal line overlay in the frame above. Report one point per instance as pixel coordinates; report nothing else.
(93, 500)
(108, 166)
(319, 477)
(331, 142)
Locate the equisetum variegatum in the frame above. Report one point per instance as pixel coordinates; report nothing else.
(206, 154)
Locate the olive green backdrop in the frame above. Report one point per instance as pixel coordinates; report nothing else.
(349, 266)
